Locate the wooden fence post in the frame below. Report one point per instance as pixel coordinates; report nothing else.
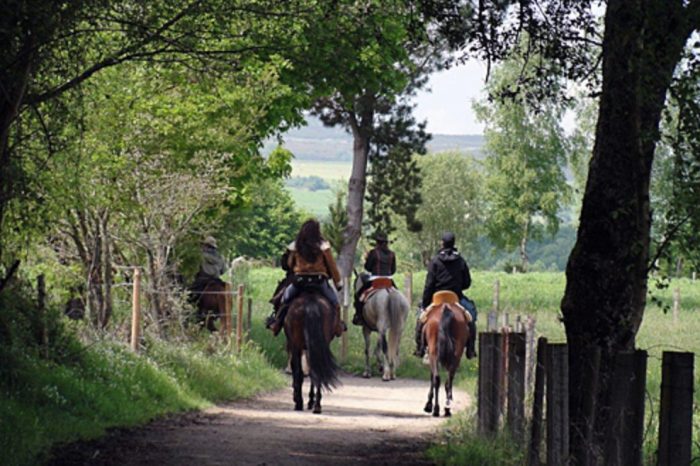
(676, 304)
(490, 393)
(492, 322)
(533, 457)
(136, 312)
(557, 404)
(408, 288)
(531, 356)
(583, 399)
(676, 416)
(496, 295)
(516, 386)
(239, 319)
(249, 320)
(226, 319)
(626, 427)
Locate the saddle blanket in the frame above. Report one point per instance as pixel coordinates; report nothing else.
(444, 297)
(377, 284)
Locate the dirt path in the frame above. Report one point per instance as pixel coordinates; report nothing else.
(364, 421)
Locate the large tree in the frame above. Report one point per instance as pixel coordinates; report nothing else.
(363, 62)
(607, 271)
(51, 47)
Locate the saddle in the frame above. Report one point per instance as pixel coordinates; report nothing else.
(381, 283)
(444, 297)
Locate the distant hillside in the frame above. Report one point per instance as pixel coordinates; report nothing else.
(317, 142)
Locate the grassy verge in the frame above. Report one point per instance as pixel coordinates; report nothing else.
(45, 403)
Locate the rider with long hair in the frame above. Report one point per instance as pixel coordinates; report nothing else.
(311, 261)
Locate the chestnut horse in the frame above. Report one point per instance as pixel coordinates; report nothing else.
(309, 325)
(445, 333)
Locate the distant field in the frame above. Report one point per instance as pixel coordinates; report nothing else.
(328, 170)
(313, 202)
(316, 202)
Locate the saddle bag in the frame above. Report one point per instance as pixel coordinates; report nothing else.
(309, 281)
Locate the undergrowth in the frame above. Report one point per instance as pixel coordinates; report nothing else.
(71, 390)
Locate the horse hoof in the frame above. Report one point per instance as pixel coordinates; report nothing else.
(310, 405)
(436, 413)
(448, 413)
(366, 375)
(428, 408)
(299, 407)
(386, 378)
(317, 410)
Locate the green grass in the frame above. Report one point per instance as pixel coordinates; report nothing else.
(328, 170)
(106, 385)
(313, 202)
(534, 294)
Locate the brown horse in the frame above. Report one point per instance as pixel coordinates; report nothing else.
(446, 333)
(211, 304)
(309, 325)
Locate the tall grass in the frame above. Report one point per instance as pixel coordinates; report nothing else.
(106, 385)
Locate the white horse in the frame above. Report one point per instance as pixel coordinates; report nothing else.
(384, 312)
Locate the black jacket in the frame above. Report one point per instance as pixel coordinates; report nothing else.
(446, 271)
(380, 261)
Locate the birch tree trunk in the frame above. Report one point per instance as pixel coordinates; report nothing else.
(356, 194)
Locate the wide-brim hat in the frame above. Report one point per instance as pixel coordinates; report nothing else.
(210, 241)
(381, 238)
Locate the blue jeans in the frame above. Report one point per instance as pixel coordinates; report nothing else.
(469, 305)
(324, 288)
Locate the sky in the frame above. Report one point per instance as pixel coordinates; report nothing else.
(446, 102)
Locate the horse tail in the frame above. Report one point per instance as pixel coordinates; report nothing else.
(398, 312)
(322, 365)
(446, 341)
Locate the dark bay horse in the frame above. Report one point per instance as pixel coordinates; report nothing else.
(212, 303)
(445, 332)
(309, 325)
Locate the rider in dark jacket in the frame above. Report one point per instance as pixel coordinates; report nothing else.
(379, 262)
(448, 271)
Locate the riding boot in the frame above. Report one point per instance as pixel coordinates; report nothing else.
(340, 326)
(471, 341)
(358, 319)
(420, 346)
(275, 323)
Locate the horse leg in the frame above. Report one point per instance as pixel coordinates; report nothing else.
(429, 405)
(310, 403)
(448, 391)
(368, 370)
(436, 386)
(386, 365)
(317, 404)
(298, 380)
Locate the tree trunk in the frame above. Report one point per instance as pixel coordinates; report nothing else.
(356, 195)
(607, 270)
(524, 259)
(106, 313)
